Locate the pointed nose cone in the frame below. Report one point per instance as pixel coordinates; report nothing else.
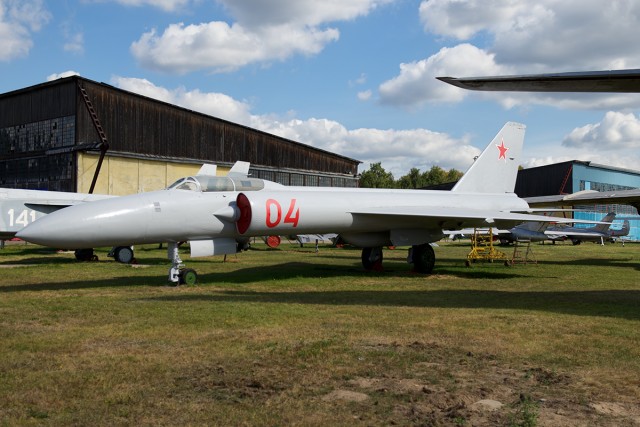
(43, 232)
(111, 222)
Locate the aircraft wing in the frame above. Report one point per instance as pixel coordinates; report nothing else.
(618, 81)
(456, 218)
(559, 233)
(621, 197)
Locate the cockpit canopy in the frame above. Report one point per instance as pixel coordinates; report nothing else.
(206, 184)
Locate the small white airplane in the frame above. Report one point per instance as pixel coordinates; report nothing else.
(217, 215)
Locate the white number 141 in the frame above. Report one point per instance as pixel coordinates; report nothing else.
(23, 218)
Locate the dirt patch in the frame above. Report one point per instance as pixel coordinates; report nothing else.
(346, 395)
(477, 389)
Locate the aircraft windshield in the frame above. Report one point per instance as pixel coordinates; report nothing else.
(207, 184)
(189, 183)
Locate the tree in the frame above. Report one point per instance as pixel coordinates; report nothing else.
(434, 176)
(453, 175)
(376, 177)
(411, 180)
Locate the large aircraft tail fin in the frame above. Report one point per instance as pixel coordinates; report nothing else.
(608, 219)
(496, 169)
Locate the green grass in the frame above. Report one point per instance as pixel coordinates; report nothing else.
(288, 336)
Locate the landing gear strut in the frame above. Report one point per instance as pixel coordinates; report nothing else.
(372, 258)
(177, 273)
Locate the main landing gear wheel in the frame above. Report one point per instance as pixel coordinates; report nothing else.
(123, 254)
(423, 258)
(85, 255)
(188, 276)
(372, 258)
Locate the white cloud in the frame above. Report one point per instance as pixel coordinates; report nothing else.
(566, 34)
(416, 83)
(398, 150)
(298, 12)
(362, 79)
(365, 95)
(167, 5)
(264, 32)
(615, 131)
(613, 141)
(214, 104)
(463, 19)
(222, 48)
(62, 75)
(18, 20)
(518, 37)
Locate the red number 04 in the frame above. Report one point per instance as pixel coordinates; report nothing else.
(275, 209)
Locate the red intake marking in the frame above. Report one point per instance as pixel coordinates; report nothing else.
(244, 221)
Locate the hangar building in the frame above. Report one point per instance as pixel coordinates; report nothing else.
(77, 135)
(573, 176)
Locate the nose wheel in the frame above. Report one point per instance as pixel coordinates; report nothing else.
(188, 276)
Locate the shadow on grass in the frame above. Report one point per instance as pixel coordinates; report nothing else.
(609, 303)
(283, 271)
(624, 304)
(598, 262)
(53, 259)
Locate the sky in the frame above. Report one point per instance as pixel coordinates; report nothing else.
(354, 77)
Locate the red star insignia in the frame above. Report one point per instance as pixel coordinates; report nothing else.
(503, 150)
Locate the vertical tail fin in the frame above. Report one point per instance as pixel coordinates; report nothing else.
(496, 169)
(208, 169)
(603, 228)
(239, 170)
(624, 231)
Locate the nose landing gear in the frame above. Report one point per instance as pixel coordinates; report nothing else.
(178, 274)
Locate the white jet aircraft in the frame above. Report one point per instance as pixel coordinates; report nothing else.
(218, 214)
(19, 208)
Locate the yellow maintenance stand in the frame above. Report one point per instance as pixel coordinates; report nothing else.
(482, 248)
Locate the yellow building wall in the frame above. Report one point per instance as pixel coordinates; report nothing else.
(120, 176)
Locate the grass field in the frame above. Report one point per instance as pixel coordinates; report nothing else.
(291, 337)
